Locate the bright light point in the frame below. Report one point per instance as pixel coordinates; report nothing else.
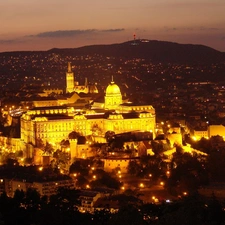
(87, 186)
(150, 175)
(123, 188)
(161, 183)
(94, 177)
(194, 138)
(74, 174)
(185, 193)
(141, 185)
(40, 168)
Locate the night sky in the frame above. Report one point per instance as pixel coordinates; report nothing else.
(46, 24)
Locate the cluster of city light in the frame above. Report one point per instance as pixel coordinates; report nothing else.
(155, 199)
(119, 174)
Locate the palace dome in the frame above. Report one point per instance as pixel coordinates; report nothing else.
(112, 89)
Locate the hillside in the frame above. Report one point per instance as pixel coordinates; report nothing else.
(157, 51)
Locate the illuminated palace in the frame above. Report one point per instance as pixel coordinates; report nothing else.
(54, 123)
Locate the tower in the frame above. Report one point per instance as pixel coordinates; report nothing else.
(69, 79)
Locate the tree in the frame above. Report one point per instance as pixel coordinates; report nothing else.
(32, 199)
(190, 210)
(117, 143)
(216, 162)
(109, 135)
(133, 167)
(215, 212)
(127, 215)
(66, 199)
(19, 197)
(80, 166)
(106, 181)
(81, 140)
(65, 144)
(96, 130)
(73, 135)
(188, 174)
(48, 149)
(82, 182)
(12, 162)
(39, 143)
(157, 147)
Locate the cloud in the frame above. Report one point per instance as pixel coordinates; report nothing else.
(209, 28)
(171, 29)
(12, 41)
(9, 41)
(64, 33)
(113, 30)
(72, 33)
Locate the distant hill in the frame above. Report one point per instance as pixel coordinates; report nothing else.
(157, 51)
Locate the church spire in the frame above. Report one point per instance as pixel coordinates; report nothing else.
(86, 82)
(69, 79)
(69, 67)
(112, 82)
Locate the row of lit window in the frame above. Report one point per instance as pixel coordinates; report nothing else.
(54, 135)
(53, 126)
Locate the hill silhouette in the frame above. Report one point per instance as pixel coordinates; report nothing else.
(156, 51)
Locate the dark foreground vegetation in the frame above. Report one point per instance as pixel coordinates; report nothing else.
(29, 208)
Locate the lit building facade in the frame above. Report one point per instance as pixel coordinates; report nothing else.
(214, 130)
(56, 122)
(45, 188)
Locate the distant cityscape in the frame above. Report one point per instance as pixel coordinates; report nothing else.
(91, 135)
